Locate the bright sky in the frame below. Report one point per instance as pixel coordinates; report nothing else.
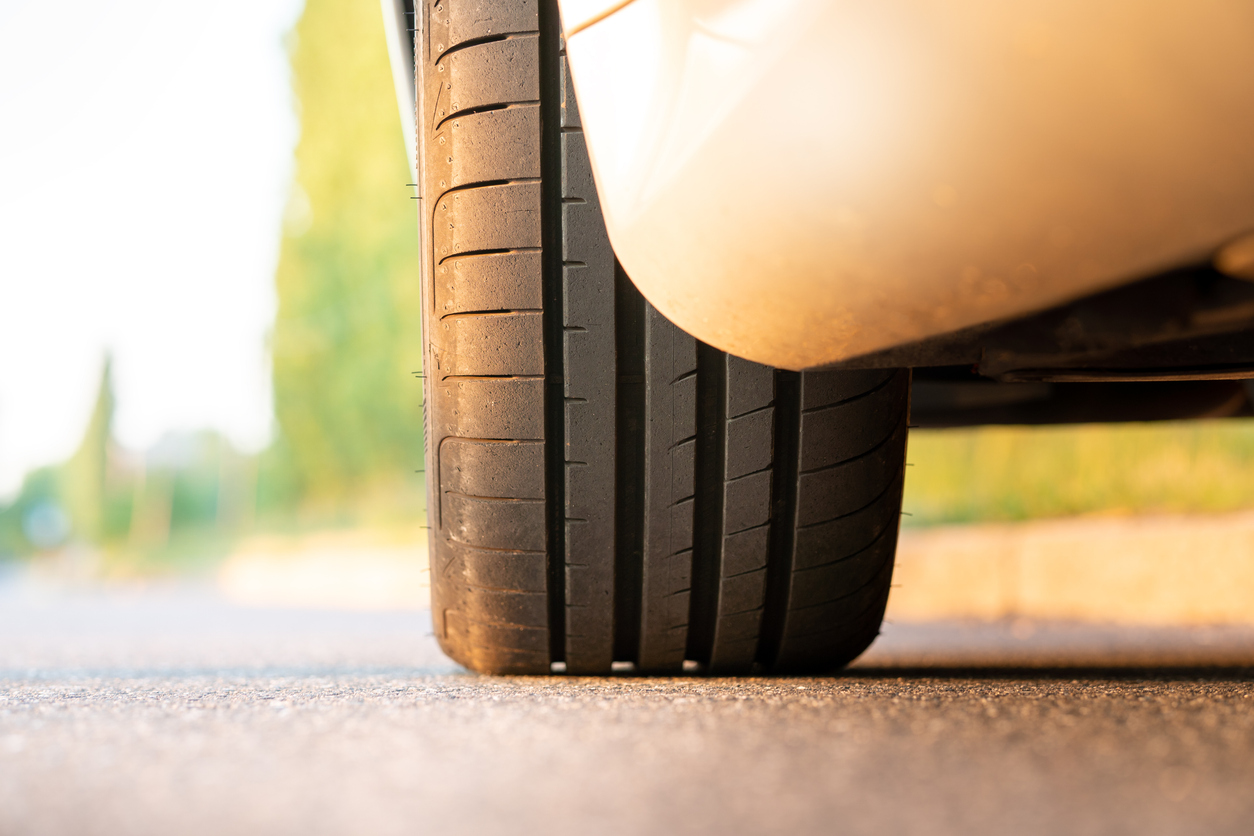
(145, 160)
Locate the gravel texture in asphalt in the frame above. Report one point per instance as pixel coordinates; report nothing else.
(170, 711)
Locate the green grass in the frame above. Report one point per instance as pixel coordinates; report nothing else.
(1020, 473)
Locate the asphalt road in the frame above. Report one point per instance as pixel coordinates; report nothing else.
(171, 711)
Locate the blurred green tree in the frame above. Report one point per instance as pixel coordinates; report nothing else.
(1006, 474)
(83, 477)
(346, 340)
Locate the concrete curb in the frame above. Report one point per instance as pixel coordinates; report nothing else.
(354, 570)
(1161, 570)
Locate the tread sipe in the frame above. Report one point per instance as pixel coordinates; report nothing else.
(604, 488)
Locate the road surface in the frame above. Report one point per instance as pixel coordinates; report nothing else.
(171, 711)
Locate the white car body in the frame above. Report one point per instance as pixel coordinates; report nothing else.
(801, 182)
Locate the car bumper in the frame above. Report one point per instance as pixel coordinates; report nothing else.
(800, 182)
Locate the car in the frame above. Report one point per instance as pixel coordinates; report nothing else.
(693, 267)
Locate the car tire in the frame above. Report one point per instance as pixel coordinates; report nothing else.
(604, 490)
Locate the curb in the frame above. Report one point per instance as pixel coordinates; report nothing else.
(1158, 571)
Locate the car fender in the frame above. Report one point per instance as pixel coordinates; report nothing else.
(800, 182)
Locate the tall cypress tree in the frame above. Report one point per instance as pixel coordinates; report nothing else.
(83, 476)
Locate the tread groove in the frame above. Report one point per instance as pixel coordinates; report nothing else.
(782, 542)
(481, 40)
(767, 469)
(630, 476)
(510, 589)
(707, 544)
(752, 412)
(742, 612)
(485, 313)
(492, 498)
(684, 376)
(551, 283)
(488, 251)
(449, 438)
(494, 377)
(742, 531)
(492, 549)
(484, 108)
(486, 184)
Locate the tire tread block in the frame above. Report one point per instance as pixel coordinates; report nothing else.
(835, 434)
(503, 216)
(468, 20)
(749, 440)
(492, 145)
(844, 536)
(746, 504)
(490, 282)
(508, 608)
(492, 468)
(495, 569)
(491, 345)
(839, 491)
(482, 75)
(840, 610)
(472, 19)
(516, 525)
(828, 582)
(494, 408)
(746, 551)
(497, 639)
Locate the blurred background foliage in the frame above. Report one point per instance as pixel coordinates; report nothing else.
(346, 343)
(1005, 474)
(346, 346)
